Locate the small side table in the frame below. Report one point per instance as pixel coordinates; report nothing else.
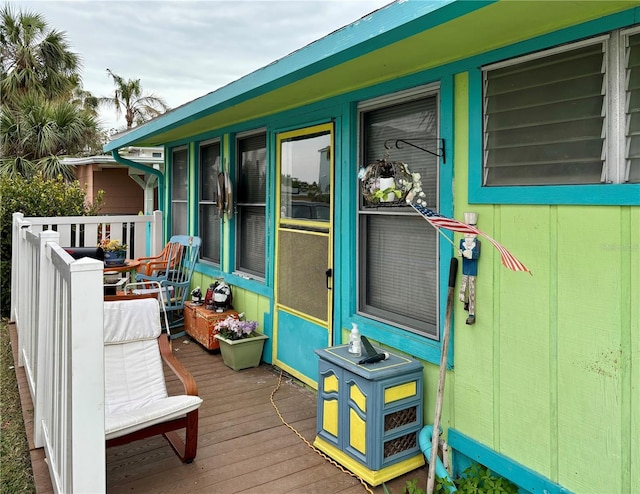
(199, 323)
(369, 416)
(129, 267)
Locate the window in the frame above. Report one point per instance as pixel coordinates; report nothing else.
(632, 111)
(209, 216)
(398, 253)
(566, 116)
(179, 188)
(251, 204)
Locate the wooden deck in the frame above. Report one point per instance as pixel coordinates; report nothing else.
(243, 445)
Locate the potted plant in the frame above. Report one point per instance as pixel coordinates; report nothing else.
(114, 252)
(240, 343)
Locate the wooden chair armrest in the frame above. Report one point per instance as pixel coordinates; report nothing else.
(189, 383)
(152, 266)
(150, 258)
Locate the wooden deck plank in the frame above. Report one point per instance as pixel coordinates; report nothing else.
(243, 446)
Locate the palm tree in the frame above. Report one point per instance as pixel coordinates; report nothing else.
(34, 58)
(45, 113)
(128, 97)
(36, 132)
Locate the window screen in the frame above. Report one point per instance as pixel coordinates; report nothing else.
(633, 109)
(398, 269)
(544, 120)
(179, 189)
(251, 202)
(209, 216)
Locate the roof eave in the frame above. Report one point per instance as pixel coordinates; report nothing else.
(385, 25)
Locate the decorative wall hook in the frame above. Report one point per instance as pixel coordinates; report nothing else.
(396, 142)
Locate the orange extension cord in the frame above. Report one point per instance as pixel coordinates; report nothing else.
(330, 460)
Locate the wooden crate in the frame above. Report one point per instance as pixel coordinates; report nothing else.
(199, 323)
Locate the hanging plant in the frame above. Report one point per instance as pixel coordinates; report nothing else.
(387, 183)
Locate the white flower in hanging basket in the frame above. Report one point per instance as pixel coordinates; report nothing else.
(388, 183)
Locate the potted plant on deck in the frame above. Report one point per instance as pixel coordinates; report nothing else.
(115, 252)
(240, 343)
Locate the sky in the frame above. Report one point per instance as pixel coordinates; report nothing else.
(181, 50)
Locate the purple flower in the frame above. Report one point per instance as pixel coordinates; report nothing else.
(236, 329)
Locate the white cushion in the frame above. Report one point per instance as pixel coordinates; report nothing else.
(134, 377)
(121, 424)
(130, 320)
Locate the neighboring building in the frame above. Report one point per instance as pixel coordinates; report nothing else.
(527, 113)
(124, 187)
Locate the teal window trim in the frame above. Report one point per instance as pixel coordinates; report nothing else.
(234, 170)
(228, 233)
(169, 190)
(467, 450)
(166, 205)
(197, 191)
(195, 187)
(415, 344)
(623, 194)
(193, 158)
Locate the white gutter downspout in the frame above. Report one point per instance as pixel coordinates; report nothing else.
(147, 169)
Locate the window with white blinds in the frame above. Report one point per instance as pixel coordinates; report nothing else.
(397, 266)
(251, 205)
(555, 117)
(209, 216)
(179, 191)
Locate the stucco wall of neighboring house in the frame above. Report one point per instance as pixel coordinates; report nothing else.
(121, 194)
(84, 175)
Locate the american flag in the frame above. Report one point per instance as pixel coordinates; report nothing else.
(439, 221)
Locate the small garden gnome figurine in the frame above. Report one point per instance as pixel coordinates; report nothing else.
(469, 251)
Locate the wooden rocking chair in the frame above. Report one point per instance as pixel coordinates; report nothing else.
(137, 404)
(175, 279)
(151, 266)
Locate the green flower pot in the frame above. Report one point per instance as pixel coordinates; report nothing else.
(242, 354)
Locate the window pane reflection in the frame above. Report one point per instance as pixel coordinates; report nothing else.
(305, 180)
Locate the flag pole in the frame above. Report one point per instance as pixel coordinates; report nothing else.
(431, 477)
(444, 236)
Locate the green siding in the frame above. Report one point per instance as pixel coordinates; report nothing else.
(548, 376)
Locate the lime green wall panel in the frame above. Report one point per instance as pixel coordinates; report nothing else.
(473, 381)
(523, 342)
(631, 362)
(549, 375)
(253, 306)
(589, 347)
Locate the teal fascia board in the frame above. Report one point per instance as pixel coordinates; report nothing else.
(385, 26)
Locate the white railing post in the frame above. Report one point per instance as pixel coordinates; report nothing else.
(42, 335)
(15, 260)
(26, 316)
(157, 242)
(87, 377)
(73, 389)
(21, 269)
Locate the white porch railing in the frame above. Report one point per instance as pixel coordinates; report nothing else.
(57, 305)
(141, 233)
